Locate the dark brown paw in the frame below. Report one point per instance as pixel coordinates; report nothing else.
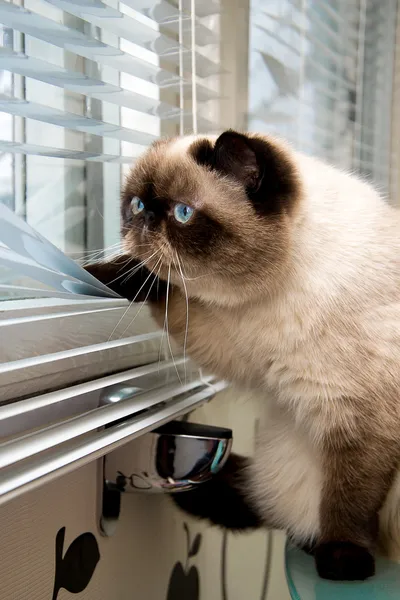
(344, 561)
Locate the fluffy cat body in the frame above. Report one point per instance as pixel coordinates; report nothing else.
(330, 335)
(307, 310)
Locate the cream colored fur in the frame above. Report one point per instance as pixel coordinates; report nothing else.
(327, 334)
(332, 331)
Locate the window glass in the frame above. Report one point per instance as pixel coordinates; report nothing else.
(321, 75)
(85, 88)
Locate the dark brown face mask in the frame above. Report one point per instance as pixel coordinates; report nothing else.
(223, 215)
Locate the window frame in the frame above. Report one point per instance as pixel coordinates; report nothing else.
(70, 324)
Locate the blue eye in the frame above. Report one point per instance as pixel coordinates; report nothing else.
(183, 212)
(136, 205)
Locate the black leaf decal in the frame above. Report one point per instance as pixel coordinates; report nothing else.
(195, 546)
(75, 570)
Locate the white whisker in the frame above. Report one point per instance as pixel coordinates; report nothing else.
(83, 253)
(145, 300)
(119, 321)
(166, 322)
(137, 267)
(92, 255)
(187, 313)
(186, 278)
(161, 343)
(132, 301)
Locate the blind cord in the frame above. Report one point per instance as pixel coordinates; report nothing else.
(194, 88)
(181, 96)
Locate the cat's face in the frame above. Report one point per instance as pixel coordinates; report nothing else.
(212, 215)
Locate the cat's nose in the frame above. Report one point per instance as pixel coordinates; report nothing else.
(149, 218)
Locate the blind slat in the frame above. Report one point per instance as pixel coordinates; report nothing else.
(158, 10)
(83, 45)
(203, 9)
(26, 363)
(114, 21)
(312, 64)
(109, 19)
(23, 407)
(40, 112)
(161, 9)
(17, 291)
(336, 55)
(23, 321)
(22, 64)
(25, 256)
(316, 45)
(204, 35)
(65, 153)
(23, 447)
(30, 262)
(162, 13)
(43, 467)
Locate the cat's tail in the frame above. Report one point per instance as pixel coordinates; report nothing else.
(223, 499)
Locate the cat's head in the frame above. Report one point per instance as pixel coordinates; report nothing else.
(213, 214)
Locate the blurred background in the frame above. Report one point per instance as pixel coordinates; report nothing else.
(85, 86)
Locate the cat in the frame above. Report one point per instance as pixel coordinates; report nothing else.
(292, 273)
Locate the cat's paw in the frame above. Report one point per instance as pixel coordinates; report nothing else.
(344, 561)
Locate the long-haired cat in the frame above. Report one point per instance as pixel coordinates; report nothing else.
(292, 273)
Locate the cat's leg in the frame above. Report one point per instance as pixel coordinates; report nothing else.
(357, 479)
(197, 329)
(223, 500)
(203, 332)
(124, 275)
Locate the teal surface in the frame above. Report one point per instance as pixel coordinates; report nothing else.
(304, 583)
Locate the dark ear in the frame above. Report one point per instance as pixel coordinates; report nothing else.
(234, 155)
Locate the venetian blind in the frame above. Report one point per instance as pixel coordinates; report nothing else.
(321, 75)
(84, 88)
